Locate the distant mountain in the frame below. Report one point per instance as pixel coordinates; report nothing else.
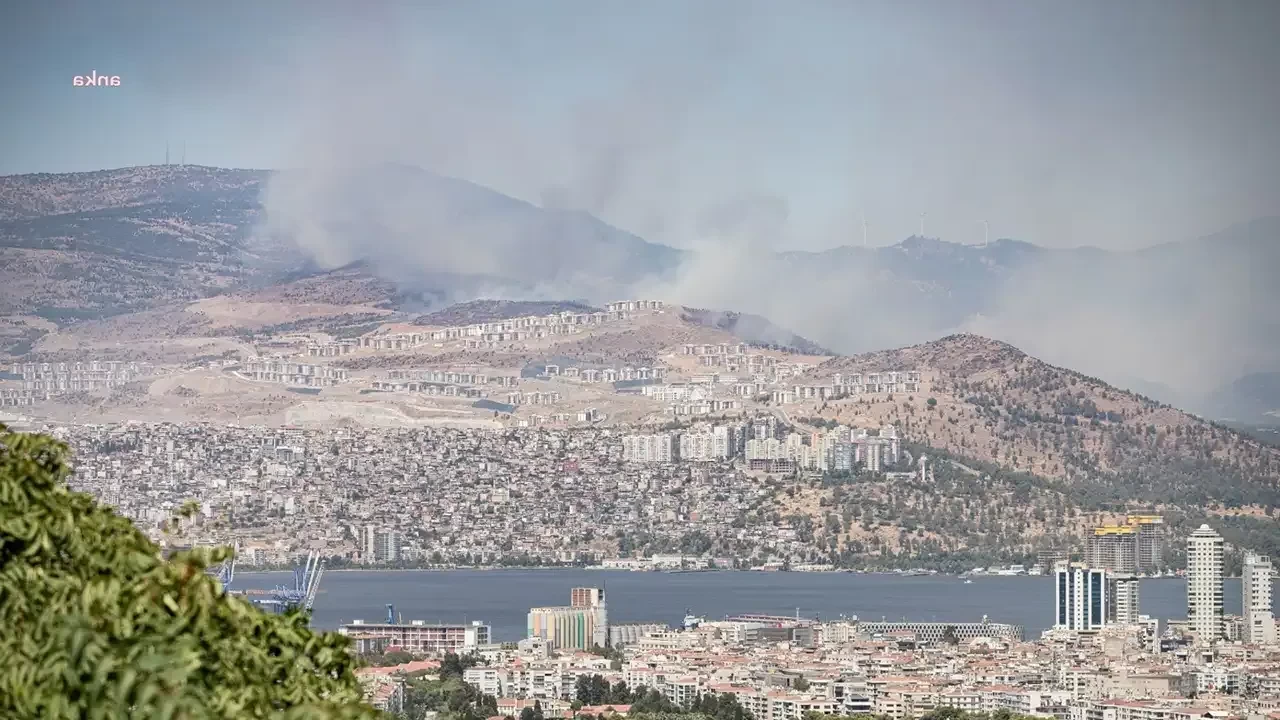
(1180, 321)
(114, 241)
(1253, 399)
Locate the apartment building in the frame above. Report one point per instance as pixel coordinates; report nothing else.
(420, 637)
(655, 448)
(1204, 584)
(1259, 624)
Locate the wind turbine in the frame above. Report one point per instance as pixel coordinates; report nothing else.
(986, 233)
(922, 217)
(864, 230)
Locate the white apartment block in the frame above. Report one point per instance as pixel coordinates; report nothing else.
(879, 382)
(1204, 584)
(633, 305)
(279, 370)
(707, 446)
(660, 447)
(734, 349)
(1123, 597)
(533, 398)
(448, 377)
(333, 349)
(1259, 623)
(672, 393)
(22, 398)
(65, 377)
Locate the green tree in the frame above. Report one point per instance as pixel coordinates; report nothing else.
(949, 635)
(97, 624)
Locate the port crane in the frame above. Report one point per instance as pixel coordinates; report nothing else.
(302, 594)
(306, 584)
(225, 572)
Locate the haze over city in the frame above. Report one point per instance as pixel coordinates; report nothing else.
(670, 360)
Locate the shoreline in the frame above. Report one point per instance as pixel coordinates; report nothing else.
(240, 571)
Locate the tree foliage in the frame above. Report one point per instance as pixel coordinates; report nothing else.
(96, 624)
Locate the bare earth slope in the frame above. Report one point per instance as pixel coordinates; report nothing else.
(1040, 453)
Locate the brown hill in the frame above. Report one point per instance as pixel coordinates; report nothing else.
(1068, 447)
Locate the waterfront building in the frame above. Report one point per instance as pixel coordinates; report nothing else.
(1204, 584)
(1114, 548)
(1149, 541)
(1135, 546)
(379, 545)
(1049, 560)
(582, 625)
(420, 637)
(1259, 624)
(632, 633)
(1080, 598)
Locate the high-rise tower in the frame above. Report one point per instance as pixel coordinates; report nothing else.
(1204, 584)
(1259, 624)
(1080, 598)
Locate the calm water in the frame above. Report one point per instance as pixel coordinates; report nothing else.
(502, 598)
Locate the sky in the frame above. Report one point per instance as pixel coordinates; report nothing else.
(1118, 125)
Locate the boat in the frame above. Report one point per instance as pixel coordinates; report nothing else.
(968, 582)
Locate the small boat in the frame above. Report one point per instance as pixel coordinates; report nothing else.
(968, 582)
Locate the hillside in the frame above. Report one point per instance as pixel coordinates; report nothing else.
(110, 242)
(82, 246)
(1040, 453)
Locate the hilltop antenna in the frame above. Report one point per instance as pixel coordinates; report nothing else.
(166, 152)
(183, 161)
(922, 217)
(986, 233)
(864, 230)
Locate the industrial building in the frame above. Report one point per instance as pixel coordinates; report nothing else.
(582, 625)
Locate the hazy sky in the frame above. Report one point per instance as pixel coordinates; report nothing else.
(1118, 124)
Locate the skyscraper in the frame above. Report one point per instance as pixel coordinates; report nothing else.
(1259, 624)
(1080, 598)
(1135, 546)
(1149, 538)
(1204, 584)
(1113, 547)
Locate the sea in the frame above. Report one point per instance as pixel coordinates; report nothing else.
(502, 598)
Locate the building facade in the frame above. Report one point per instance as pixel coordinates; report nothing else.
(1259, 623)
(582, 625)
(1080, 598)
(1136, 546)
(1204, 584)
(1114, 548)
(1122, 596)
(419, 637)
